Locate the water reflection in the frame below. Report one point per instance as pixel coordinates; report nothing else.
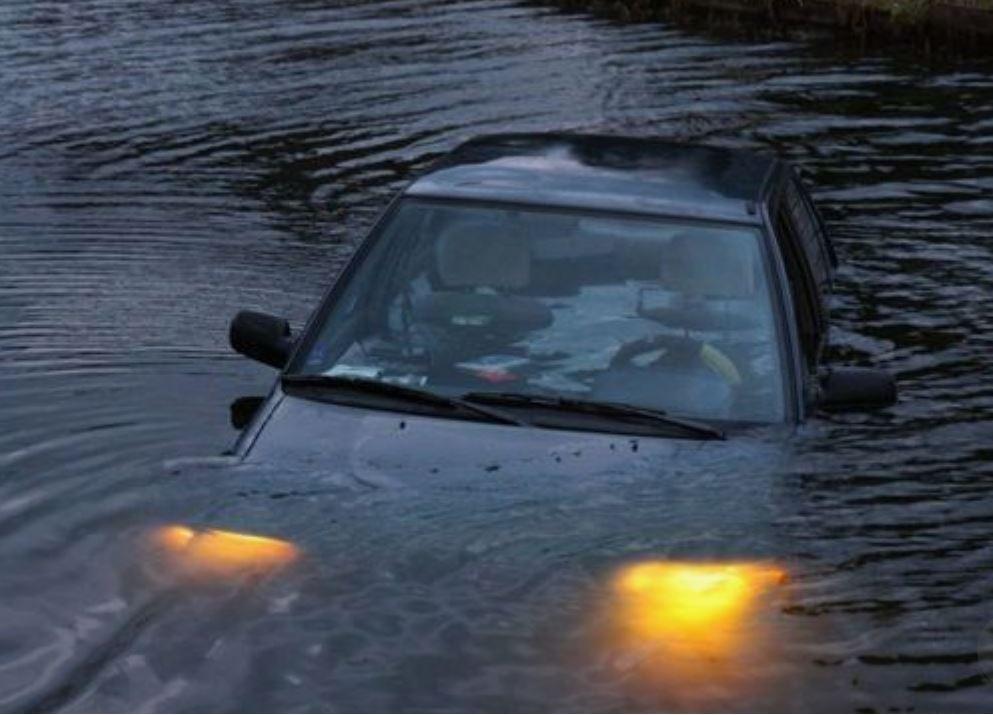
(243, 409)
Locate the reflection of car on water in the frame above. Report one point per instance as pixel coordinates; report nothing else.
(577, 283)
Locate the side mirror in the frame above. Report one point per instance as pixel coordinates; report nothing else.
(261, 337)
(856, 388)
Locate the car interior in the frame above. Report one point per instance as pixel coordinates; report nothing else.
(662, 314)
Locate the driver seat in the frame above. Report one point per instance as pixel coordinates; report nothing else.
(707, 272)
(703, 270)
(703, 265)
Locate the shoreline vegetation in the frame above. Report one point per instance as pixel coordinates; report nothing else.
(956, 25)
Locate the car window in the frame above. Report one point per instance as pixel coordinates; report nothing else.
(810, 233)
(804, 288)
(663, 314)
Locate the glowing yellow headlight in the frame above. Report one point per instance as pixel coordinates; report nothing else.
(694, 628)
(223, 552)
(693, 601)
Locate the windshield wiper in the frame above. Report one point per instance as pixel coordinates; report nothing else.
(324, 384)
(610, 410)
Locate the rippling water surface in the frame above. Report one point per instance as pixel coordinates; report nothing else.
(163, 165)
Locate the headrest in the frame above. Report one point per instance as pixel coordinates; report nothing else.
(555, 237)
(708, 264)
(482, 253)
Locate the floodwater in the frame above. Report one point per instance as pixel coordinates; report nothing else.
(163, 165)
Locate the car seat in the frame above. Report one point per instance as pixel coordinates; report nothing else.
(703, 271)
(710, 275)
(480, 265)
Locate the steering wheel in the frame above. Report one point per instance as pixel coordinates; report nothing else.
(679, 350)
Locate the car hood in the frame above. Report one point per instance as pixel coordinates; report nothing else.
(435, 557)
(407, 449)
(717, 493)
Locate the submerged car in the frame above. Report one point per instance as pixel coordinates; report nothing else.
(531, 439)
(546, 284)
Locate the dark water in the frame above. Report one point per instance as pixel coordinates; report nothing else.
(163, 165)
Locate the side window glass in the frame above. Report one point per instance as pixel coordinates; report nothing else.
(811, 237)
(803, 287)
(825, 238)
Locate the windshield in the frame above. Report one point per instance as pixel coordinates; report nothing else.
(456, 298)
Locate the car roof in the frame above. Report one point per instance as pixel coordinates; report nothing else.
(603, 172)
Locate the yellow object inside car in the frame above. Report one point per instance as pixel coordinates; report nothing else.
(720, 363)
